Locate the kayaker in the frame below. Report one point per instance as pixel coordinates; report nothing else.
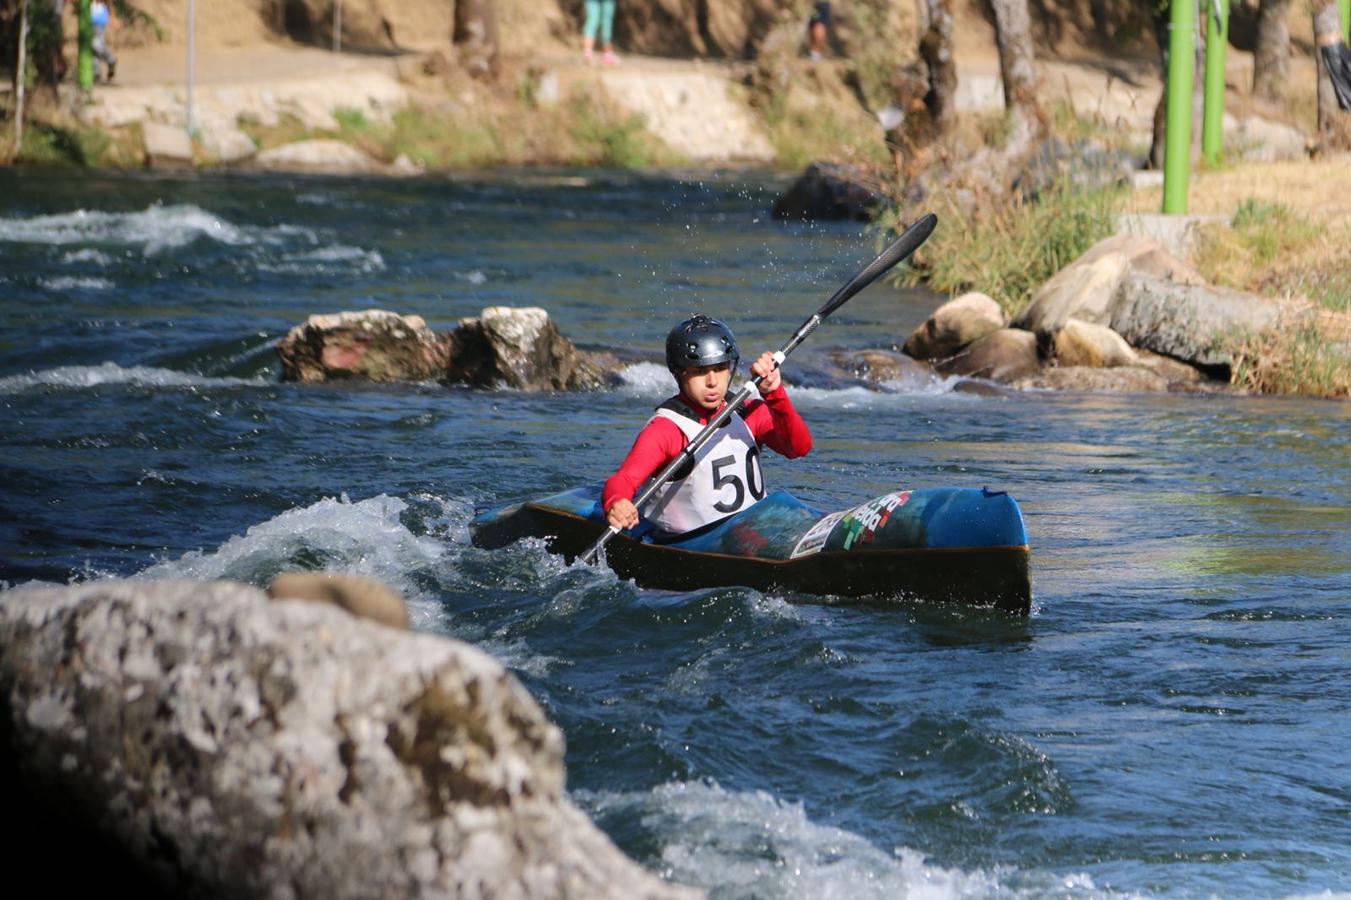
(701, 353)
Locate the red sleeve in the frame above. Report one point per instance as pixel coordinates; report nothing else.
(776, 424)
(660, 441)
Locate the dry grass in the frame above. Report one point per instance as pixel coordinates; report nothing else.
(1319, 191)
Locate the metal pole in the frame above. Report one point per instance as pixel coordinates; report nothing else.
(1212, 122)
(20, 79)
(337, 26)
(192, 54)
(1178, 134)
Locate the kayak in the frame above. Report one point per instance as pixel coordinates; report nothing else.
(951, 545)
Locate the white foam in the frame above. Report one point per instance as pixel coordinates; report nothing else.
(645, 379)
(751, 844)
(79, 377)
(474, 277)
(363, 538)
(347, 258)
(72, 283)
(153, 229)
(87, 256)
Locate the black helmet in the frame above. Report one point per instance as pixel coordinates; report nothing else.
(701, 341)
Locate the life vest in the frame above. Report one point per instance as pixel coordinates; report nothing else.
(724, 478)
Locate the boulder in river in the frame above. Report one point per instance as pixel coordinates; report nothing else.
(519, 347)
(238, 747)
(953, 325)
(1080, 343)
(1086, 288)
(376, 345)
(829, 191)
(1189, 322)
(1004, 355)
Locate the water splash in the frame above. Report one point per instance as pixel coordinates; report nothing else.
(83, 377)
(153, 230)
(751, 844)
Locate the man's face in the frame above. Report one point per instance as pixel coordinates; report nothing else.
(706, 385)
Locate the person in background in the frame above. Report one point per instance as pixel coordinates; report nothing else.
(600, 17)
(101, 17)
(817, 30)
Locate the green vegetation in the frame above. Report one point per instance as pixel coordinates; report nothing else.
(70, 144)
(1292, 360)
(1268, 248)
(1009, 248)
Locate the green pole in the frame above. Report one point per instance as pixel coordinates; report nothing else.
(84, 71)
(1344, 10)
(1212, 123)
(1178, 124)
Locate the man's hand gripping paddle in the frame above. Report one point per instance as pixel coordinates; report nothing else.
(903, 246)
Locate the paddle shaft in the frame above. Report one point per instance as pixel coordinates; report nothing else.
(909, 241)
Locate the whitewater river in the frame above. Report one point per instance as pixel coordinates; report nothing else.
(1173, 719)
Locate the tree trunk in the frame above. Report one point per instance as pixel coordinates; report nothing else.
(475, 36)
(1013, 34)
(1271, 55)
(935, 48)
(1334, 123)
(19, 79)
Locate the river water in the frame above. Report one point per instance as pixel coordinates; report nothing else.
(1171, 720)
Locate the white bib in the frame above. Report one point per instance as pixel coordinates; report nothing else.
(724, 479)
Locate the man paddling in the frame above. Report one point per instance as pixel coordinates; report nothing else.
(725, 477)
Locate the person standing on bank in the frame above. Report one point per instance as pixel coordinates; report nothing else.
(600, 17)
(817, 29)
(725, 476)
(101, 17)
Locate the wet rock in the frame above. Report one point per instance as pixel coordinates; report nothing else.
(375, 345)
(1005, 355)
(882, 366)
(364, 598)
(953, 325)
(1180, 375)
(519, 348)
(1193, 323)
(238, 747)
(829, 191)
(1080, 343)
(1130, 379)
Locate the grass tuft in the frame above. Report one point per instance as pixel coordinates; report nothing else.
(1009, 249)
(1292, 360)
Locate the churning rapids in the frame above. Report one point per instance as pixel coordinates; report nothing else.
(1172, 719)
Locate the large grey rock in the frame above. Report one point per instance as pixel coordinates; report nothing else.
(1188, 322)
(166, 146)
(227, 145)
(1081, 343)
(1262, 140)
(244, 748)
(883, 366)
(318, 156)
(374, 345)
(829, 191)
(1004, 355)
(954, 325)
(519, 348)
(1086, 288)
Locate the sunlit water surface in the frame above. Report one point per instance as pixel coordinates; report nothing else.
(1172, 719)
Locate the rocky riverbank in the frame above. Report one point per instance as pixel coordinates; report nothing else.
(201, 739)
(1125, 316)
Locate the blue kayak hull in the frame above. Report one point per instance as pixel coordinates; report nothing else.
(955, 545)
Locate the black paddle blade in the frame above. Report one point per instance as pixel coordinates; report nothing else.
(909, 241)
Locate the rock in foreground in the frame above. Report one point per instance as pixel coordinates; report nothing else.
(241, 747)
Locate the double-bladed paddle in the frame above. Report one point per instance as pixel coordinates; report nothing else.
(901, 248)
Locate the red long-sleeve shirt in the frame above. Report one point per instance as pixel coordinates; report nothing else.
(773, 422)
